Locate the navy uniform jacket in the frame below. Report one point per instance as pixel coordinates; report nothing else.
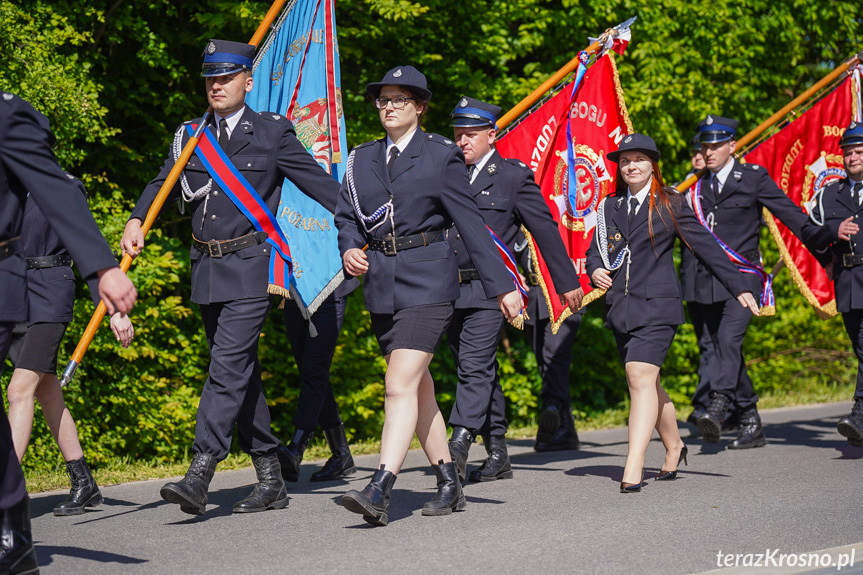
(654, 296)
(265, 149)
(507, 196)
(737, 222)
(837, 205)
(27, 164)
(429, 187)
(50, 291)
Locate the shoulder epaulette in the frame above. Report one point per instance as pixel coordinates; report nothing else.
(365, 144)
(516, 162)
(273, 117)
(752, 167)
(439, 139)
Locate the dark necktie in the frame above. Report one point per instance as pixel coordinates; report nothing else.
(224, 137)
(633, 207)
(394, 153)
(855, 192)
(471, 169)
(714, 186)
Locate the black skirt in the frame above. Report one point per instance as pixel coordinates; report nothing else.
(420, 327)
(35, 347)
(648, 344)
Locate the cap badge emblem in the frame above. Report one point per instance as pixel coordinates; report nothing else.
(709, 121)
(211, 48)
(397, 73)
(627, 140)
(463, 103)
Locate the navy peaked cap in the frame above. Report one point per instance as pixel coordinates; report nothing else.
(223, 57)
(473, 113)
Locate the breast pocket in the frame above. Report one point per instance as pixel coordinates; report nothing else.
(250, 163)
(490, 202)
(195, 165)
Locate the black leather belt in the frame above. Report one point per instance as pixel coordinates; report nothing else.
(533, 279)
(216, 248)
(8, 247)
(48, 262)
(467, 275)
(851, 260)
(390, 246)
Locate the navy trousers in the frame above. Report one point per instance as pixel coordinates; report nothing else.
(726, 323)
(554, 355)
(12, 488)
(701, 397)
(232, 393)
(853, 320)
(314, 355)
(479, 402)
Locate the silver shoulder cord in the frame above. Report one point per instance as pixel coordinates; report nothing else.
(383, 213)
(601, 237)
(188, 194)
(817, 201)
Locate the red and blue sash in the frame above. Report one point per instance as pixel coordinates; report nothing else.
(240, 191)
(767, 300)
(509, 262)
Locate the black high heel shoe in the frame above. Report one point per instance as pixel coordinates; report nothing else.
(632, 487)
(672, 475)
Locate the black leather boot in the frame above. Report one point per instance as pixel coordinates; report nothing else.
(17, 555)
(710, 423)
(341, 464)
(270, 491)
(852, 426)
(751, 432)
(84, 492)
(550, 416)
(459, 449)
(564, 437)
(291, 456)
(496, 465)
(374, 500)
(190, 493)
(449, 495)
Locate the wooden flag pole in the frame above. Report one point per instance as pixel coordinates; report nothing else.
(156, 207)
(801, 99)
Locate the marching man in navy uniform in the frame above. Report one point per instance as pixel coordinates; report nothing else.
(732, 195)
(507, 197)
(838, 210)
(230, 270)
(556, 430)
(28, 165)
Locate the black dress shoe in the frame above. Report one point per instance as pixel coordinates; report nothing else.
(672, 475)
(341, 464)
(270, 492)
(496, 465)
(190, 493)
(374, 500)
(551, 415)
(564, 437)
(459, 448)
(449, 496)
(710, 423)
(291, 456)
(851, 427)
(693, 417)
(751, 432)
(17, 555)
(632, 487)
(84, 492)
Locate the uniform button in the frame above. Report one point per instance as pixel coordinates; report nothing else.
(715, 207)
(249, 165)
(458, 236)
(215, 192)
(213, 218)
(455, 252)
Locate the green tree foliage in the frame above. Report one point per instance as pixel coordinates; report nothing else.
(116, 78)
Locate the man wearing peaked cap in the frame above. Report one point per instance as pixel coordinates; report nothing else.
(838, 212)
(230, 268)
(507, 197)
(731, 197)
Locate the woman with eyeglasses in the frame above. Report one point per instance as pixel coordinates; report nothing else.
(632, 258)
(399, 195)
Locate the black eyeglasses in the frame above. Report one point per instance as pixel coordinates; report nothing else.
(398, 102)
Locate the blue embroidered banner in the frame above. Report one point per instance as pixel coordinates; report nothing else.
(297, 74)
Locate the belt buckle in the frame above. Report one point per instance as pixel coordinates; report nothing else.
(847, 260)
(389, 246)
(214, 248)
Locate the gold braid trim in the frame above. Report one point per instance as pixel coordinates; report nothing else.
(555, 325)
(278, 290)
(621, 101)
(825, 311)
(855, 98)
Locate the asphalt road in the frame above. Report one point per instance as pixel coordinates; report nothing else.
(561, 513)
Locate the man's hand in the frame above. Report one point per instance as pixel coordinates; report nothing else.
(133, 238)
(510, 304)
(601, 278)
(356, 262)
(848, 228)
(746, 300)
(572, 299)
(121, 325)
(116, 290)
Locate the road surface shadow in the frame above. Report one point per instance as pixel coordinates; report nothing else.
(46, 554)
